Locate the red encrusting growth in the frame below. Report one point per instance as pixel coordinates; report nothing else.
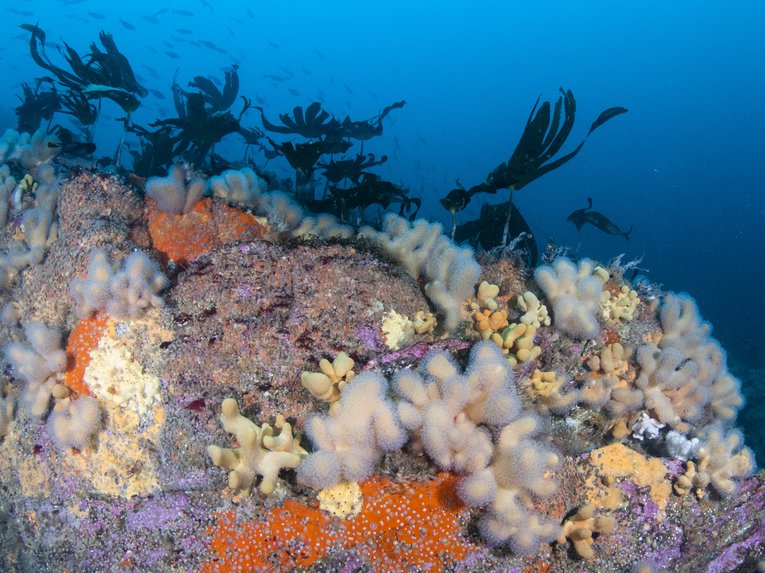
(83, 339)
(402, 527)
(183, 238)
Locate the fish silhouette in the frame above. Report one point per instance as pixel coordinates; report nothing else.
(598, 220)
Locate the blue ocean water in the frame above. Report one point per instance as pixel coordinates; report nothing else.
(684, 167)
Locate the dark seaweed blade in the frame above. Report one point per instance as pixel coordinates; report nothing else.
(486, 231)
(37, 51)
(569, 110)
(605, 116)
(530, 146)
(178, 101)
(209, 90)
(77, 105)
(117, 66)
(230, 88)
(123, 98)
(554, 125)
(272, 126)
(36, 105)
(311, 112)
(391, 107)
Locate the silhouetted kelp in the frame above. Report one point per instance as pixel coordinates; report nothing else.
(100, 73)
(545, 133)
(203, 117)
(37, 105)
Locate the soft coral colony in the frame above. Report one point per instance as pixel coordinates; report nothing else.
(202, 375)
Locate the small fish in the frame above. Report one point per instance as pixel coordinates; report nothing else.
(183, 12)
(161, 11)
(150, 19)
(96, 15)
(173, 55)
(127, 25)
(274, 77)
(306, 71)
(230, 29)
(157, 93)
(348, 104)
(421, 139)
(167, 44)
(209, 45)
(250, 14)
(272, 44)
(373, 94)
(207, 5)
(319, 54)
(287, 71)
(216, 80)
(25, 13)
(184, 31)
(294, 92)
(152, 72)
(598, 220)
(260, 100)
(348, 89)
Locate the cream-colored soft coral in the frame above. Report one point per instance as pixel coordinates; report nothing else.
(580, 527)
(485, 295)
(534, 312)
(329, 383)
(621, 305)
(443, 408)
(517, 342)
(610, 382)
(721, 459)
(520, 469)
(261, 452)
(548, 390)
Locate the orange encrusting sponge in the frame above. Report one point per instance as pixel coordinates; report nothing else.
(183, 238)
(401, 527)
(83, 339)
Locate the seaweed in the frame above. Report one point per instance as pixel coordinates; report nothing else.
(201, 122)
(37, 105)
(545, 133)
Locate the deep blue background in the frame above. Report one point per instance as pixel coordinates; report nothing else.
(685, 166)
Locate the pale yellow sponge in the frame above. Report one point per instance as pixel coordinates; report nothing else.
(424, 322)
(547, 391)
(114, 376)
(517, 342)
(398, 330)
(329, 383)
(486, 322)
(619, 306)
(261, 452)
(343, 500)
(534, 312)
(486, 294)
(580, 527)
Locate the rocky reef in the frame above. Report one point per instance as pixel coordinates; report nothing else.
(565, 421)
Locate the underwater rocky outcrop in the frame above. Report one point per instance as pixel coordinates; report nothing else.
(200, 376)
